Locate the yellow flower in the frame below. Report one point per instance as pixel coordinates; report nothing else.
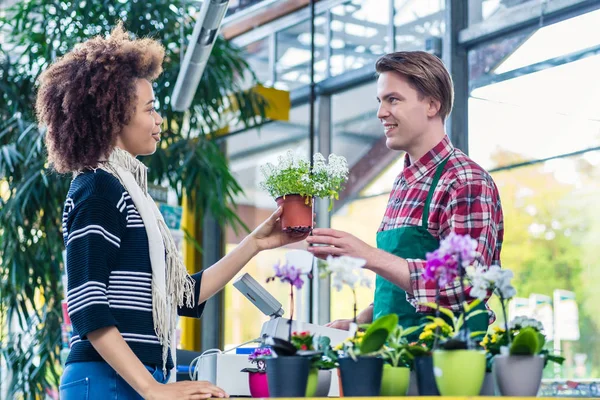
(494, 338)
(497, 329)
(440, 322)
(425, 335)
(485, 341)
(430, 327)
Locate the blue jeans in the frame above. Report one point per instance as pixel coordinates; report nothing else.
(98, 381)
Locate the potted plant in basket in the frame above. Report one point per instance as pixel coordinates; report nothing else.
(293, 182)
(282, 383)
(459, 366)
(257, 377)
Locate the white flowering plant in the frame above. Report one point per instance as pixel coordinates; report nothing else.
(525, 337)
(493, 279)
(345, 271)
(293, 174)
(522, 336)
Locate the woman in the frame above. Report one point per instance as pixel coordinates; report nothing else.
(126, 280)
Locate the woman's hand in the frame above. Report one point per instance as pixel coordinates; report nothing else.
(269, 235)
(184, 390)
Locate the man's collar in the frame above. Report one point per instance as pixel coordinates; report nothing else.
(415, 171)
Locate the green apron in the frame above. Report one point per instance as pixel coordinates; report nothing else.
(412, 242)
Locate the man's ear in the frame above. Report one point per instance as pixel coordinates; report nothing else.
(434, 107)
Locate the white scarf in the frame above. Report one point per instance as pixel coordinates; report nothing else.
(171, 282)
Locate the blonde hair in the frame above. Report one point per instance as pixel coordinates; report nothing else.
(426, 74)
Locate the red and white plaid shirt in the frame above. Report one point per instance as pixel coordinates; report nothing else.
(466, 201)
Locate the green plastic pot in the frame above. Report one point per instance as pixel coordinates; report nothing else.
(395, 381)
(311, 384)
(459, 372)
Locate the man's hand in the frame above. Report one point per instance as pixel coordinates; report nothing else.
(338, 243)
(184, 390)
(364, 317)
(343, 324)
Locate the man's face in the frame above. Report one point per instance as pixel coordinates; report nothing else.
(403, 113)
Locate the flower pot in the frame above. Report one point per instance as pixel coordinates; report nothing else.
(324, 383)
(413, 388)
(488, 388)
(426, 385)
(518, 375)
(297, 214)
(311, 384)
(258, 384)
(361, 377)
(287, 376)
(459, 372)
(395, 381)
(339, 377)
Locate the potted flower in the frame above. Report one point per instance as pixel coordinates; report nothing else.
(360, 361)
(293, 182)
(459, 366)
(516, 352)
(398, 360)
(257, 377)
(282, 383)
(322, 361)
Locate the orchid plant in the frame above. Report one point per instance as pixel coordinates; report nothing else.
(294, 271)
(345, 271)
(294, 174)
(493, 279)
(444, 266)
(258, 357)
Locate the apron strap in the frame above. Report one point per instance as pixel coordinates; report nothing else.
(436, 179)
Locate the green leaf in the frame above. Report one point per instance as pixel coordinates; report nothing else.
(526, 342)
(446, 311)
(377, 333)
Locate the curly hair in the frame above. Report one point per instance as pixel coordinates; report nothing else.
(87, 96)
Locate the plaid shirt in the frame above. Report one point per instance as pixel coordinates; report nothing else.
(466, 201)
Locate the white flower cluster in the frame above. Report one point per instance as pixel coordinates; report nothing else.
(493, 278)
(292, 174)
(524, 322)
(347, 271)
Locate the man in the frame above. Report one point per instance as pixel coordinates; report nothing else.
(439, 191)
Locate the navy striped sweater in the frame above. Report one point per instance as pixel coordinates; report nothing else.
(108, 269)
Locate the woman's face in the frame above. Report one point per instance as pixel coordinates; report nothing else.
(141, 135)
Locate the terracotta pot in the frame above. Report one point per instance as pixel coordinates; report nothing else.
(259, 387)
(297, 214)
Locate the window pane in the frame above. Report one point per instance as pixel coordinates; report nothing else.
(359, 34)
(416, 21)
(293, 54)
(535, 116)
(257, 56)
